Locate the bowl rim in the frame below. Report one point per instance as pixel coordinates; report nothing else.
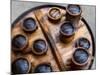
(79, 64)
(24, 58)
(39, 53)
(65, 33)
(72, 13)
(25, 29)
(26, 42)
(52, 8)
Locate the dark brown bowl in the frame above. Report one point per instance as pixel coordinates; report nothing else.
(52, 11)
(73, 14)
(74, 11)
(80, 57)
(39, 47)
(82, 42)
(40, 68)
(67, 31)
(17, 67)
(19, 42)
(29, 24)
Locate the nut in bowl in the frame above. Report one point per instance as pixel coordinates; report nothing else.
(73, 13)
(83, 42)
(54, 14)
(43, 68)
(80, 57)
(74, 10)
(19, 42)
(21, 66)
(39, 47)
(67, 32)
(29, 25)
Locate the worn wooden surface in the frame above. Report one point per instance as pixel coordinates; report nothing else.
(59, 54)
(35, 60)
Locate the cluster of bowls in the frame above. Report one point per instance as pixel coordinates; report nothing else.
(80, 56)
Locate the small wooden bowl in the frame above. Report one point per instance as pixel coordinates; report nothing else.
(77, 43)
(76, 62)
(45, 63)
(74, 14)
(24, 46)
(29, 19)
(23, 58)
(54, 19)
(43, 51)
(67, 37)
(73, 17)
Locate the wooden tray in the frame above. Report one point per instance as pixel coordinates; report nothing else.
(59, 54)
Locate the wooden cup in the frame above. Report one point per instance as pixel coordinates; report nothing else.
(80, 59)
(67, 32)
(41, 51)
(54, 14)
(15, 71)
(73, 13)
(16, 41)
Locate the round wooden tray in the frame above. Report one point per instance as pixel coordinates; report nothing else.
(59, 54)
